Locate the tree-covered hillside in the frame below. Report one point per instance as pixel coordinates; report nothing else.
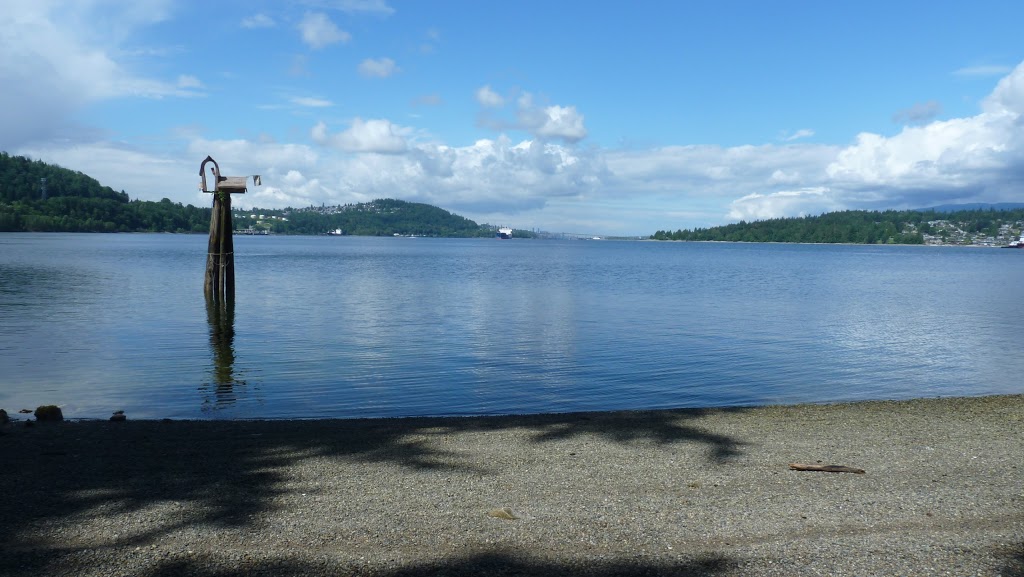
(76, 202)
(384, 217)
(21, 180)
(868, 227)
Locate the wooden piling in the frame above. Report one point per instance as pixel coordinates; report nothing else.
(219, 285)
(220, 258)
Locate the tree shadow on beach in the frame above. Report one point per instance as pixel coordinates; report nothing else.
(228, 473)
(1015, 563)
(499, 563)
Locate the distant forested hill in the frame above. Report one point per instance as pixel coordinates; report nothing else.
(868, 227)
(21, 180)
(383, 217)
(76, 202)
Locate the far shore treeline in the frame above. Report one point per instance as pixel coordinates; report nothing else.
(986, 225)
(76, 202)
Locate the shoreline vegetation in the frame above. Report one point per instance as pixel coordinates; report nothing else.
(75, 202)
(709, 492)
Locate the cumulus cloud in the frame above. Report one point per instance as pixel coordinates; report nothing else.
(496, 175)
(318, 31)
(939, 154)
(800, 202)
(489, 98)
(377, 67)
(556, 122)
(50, 68)
(545, 122)
(374, 135)
(969, 159)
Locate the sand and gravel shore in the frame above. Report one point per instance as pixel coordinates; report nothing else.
(688, 492)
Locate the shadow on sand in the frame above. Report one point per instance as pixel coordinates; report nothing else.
(473, 566)
(229, 472)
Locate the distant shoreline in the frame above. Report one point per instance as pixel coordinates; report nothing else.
(603, 239)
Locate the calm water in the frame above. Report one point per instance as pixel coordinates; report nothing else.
(351, 327)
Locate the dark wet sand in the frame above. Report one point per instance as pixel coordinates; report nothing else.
(688, 492)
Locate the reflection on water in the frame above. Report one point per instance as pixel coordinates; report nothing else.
(220, 315)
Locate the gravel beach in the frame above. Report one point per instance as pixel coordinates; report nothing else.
(684, 492)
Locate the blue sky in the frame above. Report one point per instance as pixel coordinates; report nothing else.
(574, 116)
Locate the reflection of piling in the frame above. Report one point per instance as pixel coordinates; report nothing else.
(221, 318)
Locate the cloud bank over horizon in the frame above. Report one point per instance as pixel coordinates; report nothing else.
(127, 110)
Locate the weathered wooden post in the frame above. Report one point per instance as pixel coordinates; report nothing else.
(220, 257)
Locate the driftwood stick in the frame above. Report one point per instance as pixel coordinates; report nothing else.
(825, 468)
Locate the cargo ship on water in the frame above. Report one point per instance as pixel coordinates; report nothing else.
(504, 233)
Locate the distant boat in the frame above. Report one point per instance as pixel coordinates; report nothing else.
(253, 231)
(335, 232)
(504, 233)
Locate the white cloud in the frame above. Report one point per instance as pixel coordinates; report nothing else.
(552, 122)
(1008, 96)
(489, 98)
(562, 122)
(318, 31)
(51, 68)
(802, 133)
(258, 21)
(311, 102)
(782, 177)
(800, 202)
(378, 67)
(374, 135)
(969, 159)
(983, 70)
(939, 154)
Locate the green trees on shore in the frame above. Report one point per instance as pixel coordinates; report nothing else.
(383, 217)
(854, 226)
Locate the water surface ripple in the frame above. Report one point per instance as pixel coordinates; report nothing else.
(382, 327)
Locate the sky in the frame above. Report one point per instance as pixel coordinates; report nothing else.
(589, 116)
